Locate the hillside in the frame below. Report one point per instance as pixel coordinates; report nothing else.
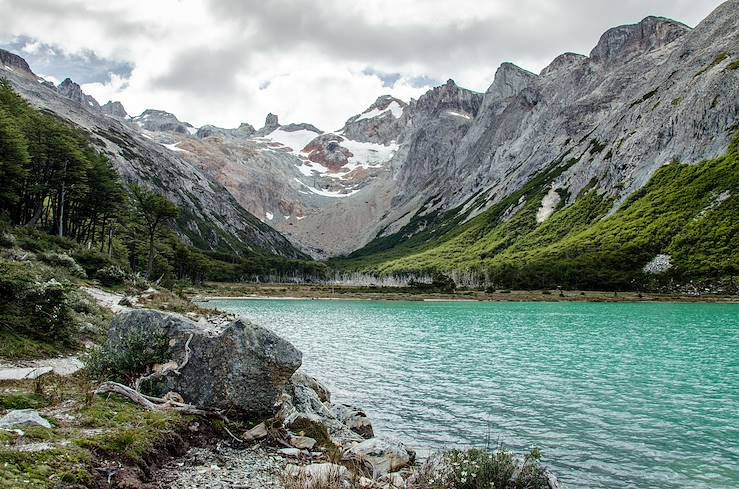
(210, 217)
(680, 226)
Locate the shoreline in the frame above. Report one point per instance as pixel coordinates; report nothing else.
(227, 291)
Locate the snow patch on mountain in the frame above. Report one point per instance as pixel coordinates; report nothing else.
(394, 107)
(295, 140)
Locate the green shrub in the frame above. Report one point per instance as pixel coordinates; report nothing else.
(132, 358)
(111, 275)
(65, 261)
(7, 239)
(92, 261)
(32, 305)
(483, 469)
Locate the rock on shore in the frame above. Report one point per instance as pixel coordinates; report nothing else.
(240, 367)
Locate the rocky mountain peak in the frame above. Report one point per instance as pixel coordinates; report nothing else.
(509, 80)
(622, 43)
(303, 126)
(272, 121)
(114, 109)
(383, 103)
(379, 123)
(242, 132)
(448, 97)
(73, 91)
(162, 121)
(14, 62)
(562, 62)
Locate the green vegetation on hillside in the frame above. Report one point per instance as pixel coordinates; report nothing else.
(688, 212)
(66, 218)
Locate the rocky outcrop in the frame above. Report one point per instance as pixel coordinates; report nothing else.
(240, 368)
(242, 132)
(13, 62)
(114, 109)
(301, 405)
(161, 121)
(271, 122)
(326, 150)
(306, 402)
(621, 44)
(385, 456)
(379, 123)
(73, 91)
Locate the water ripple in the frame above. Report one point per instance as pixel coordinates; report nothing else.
(616, 395)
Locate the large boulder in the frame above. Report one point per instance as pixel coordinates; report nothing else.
(239, 367)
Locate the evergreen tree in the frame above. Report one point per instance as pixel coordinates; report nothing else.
(155, 210)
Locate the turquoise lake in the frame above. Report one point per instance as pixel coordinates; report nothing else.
(616, 395)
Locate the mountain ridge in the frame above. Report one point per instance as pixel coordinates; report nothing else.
(647, 94)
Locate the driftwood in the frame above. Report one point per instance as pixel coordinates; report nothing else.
(157, 403)
(166, 368)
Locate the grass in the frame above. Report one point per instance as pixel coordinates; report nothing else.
(85, 430)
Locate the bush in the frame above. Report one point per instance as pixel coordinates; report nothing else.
(111, 275)
(63, 260)
(34, 306)
(92, 261)
(7, 240)
(134, 356)
(478, 469)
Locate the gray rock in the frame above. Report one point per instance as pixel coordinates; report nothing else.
(292, 452)
(241, 367)
(15, 62)
(73, 91)
(114, 109)
(23, 417)
(242, 132)
(383, 455)
(162, 121)
(271, 122)
(302, 442)
(354, 418)
(301, 404)
(256, 433)
(383, 127)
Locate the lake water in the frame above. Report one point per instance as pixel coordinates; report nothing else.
(616, 395)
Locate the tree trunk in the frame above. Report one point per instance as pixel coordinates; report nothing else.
(61, 202)
(151, 254)
(110, 240)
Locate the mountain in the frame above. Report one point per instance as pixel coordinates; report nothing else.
(418, 186)
(210, 217)
(596, 130)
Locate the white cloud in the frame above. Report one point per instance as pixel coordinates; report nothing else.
(226, 62)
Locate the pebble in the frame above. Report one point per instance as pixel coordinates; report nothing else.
(223, 468)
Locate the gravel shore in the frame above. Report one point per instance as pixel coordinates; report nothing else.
(223, 467)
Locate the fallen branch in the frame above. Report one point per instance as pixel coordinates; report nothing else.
(166, 368)
(156, 403)
(187, 355)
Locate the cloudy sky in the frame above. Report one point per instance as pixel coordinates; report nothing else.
(230, 61)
